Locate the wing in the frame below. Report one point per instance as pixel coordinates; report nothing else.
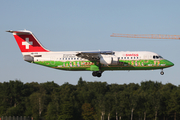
(94, 55)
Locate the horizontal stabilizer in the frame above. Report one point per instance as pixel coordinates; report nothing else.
(21, 32)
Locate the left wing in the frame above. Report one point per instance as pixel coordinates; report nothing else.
(93, 55)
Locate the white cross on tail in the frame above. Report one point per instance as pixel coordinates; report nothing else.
(27, 43)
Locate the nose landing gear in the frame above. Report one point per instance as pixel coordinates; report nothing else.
(97, 73)
(162, 73)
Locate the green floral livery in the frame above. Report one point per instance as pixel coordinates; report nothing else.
(122, 65)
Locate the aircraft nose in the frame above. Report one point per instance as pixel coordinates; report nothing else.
(170, 63)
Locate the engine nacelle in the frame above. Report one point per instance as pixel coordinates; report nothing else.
(109, 60)
(106, 60)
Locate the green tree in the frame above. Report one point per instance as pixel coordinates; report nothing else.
(109, 101)
(174, 103)
(38, 103)
(100, 106)
(117, 104)
(12, 98)
(67, 111)
(131, 97)
(51, 112)
(167, 92)
(87, 111)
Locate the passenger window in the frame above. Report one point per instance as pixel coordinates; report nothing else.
(127, 57)
(154, 57)
(124, 57)
(77, 58)
(131, 57)
(157, 57)
(59, 58)
(74, 58)
(121, 57)
(134, 57)
(137, 57)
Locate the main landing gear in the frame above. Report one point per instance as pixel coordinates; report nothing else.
(162, 73)
(97, 73)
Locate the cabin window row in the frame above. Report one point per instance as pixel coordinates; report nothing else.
(70, 58)
(128, 58)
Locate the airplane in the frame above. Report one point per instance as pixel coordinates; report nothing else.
(95, 61)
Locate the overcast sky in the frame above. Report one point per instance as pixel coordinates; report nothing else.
(81, 25)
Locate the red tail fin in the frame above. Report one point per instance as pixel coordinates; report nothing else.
(27, 42)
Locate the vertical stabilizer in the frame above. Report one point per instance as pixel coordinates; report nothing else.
(27, 42)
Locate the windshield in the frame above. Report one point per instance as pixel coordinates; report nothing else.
(157, 57)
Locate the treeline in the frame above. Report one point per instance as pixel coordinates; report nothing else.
(90, 101)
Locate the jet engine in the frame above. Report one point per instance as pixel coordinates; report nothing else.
(109, 60)
(106, 60)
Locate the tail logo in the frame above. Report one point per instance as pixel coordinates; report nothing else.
(27, 43)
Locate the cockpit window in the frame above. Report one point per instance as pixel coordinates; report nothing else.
(160, 57)
(157, 57)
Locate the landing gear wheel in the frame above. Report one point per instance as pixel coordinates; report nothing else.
(162, 73)
(97, 74)
(94, 74)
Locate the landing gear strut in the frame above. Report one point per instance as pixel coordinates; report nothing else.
(97, 73)
(162, 73)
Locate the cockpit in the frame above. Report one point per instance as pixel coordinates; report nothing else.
(157, 57)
